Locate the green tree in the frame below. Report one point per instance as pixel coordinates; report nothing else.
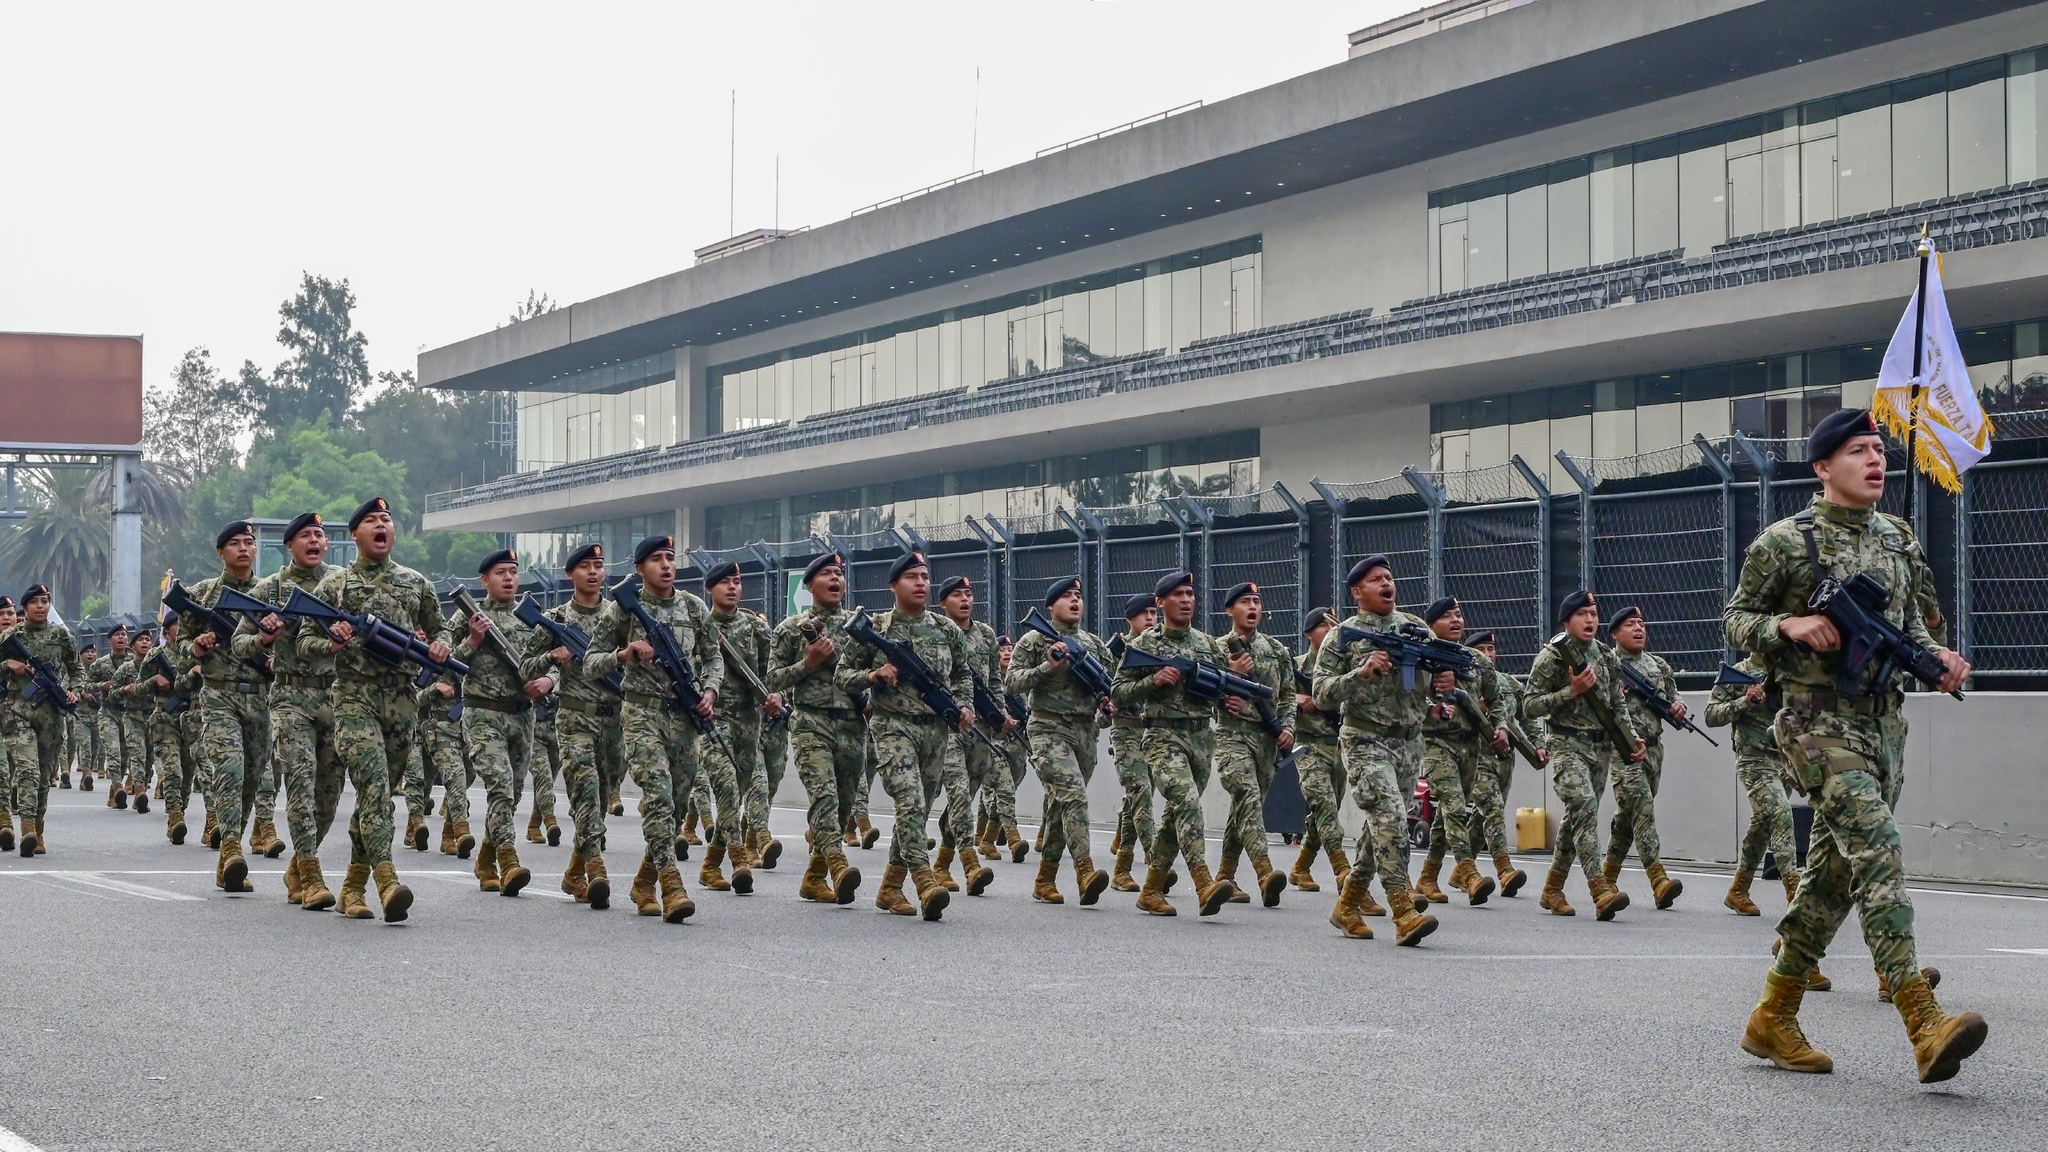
(65, 540)
(320, 470)
(442, 437)
(190, 430)
(328, 366)
(535, 304)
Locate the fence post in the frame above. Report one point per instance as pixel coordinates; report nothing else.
(1101, 531)
(1730, 559)
(1336, 507)
(1965, 639)
(989, 544)
(1762, 464)
(1434, 497)
(1301, 547)
(1009, 542)
(1080, 542)
(1585, 484)
(1542, 491)
(1198, 519)
(773, 594)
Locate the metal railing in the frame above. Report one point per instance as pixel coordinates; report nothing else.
(1140, 122)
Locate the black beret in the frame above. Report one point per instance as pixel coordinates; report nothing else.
(238, 528)
(373, 504)
(1837, 429)
(1140, 604)
(820, 563)
(1060, 587)
(170, 618)
(720, 572)
(120, 627)
(1622, 617)
(1316, 618)
(1437, 608)
(6, 602)
(501, 556)
(1239, 592)
(1171, 581)
(590, 551)
(1478, 638)
(650, 546)
(905, 563)
(32, 591)
(301, 522)
(1572, 603)
(954, 584)
(1359, 570)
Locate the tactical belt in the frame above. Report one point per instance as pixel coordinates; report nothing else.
(921, 717)
(1390, 731)
(315, 683)
(1315, 741)
(1829, 700)
(1052, 717)
(387, 680)
(590, 708)
(647, 700)
(511, 707)
(829, 713)
(245, 687)
(1124, 722)
(1569, 730)
(1175, 723)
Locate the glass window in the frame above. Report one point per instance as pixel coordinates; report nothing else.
(1486, 241)
(2030, 365)
(1817, 180)
(1863, 144)
(1919, 141)
(1702, 199)
(1187, 307)
(1781, 187)
(928, 359)
(1158, 312)
(1244, 299)
(1976, 127)
(2026, 116)
(1528, 230)
(949, 355)
(1656, 204)
(1746, 194)
(1216, 318)
(1102, 336)
(1569, 209)
(1451, 253)
(1988, 352)
(1613, 207)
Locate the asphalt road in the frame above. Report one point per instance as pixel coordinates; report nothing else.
(145, 1010)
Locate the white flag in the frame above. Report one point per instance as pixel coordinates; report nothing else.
(1952, 430)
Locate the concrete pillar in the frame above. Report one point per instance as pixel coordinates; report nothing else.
(692, 417)
(124, 591)
(690, 527)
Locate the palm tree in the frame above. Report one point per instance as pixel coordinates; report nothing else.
(64, 542)
(156, 491)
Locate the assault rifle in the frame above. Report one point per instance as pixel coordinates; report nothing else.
(1518, 740)
(1730, 674)
(1204, 681)
(812, 631)
(1874, 650)
(1087, 671)
(683, 696)
(1416, 651)
(159, 664)
(494, 640)
(387, 643)
(1269, 717)
(45, 686)
(912, 668)
(991, 710)
(1638, 685)
(565, 635)
(216, 622)
(1609, 722)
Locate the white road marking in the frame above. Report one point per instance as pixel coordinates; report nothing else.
(12, 1142)
(2023, 951)
(102, 880)
(529, 890)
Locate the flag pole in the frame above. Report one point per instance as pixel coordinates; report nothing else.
(1913, 404)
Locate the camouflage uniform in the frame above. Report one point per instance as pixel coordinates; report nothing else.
(587, 728)
(1579, 747)
(130, 693)
(1760, 767)
(1321, 768)
(970, 762)
(441, 751)
(747, 633)
(497, 715)
(35, 732)
(234, 719)
(909, 740)
(661, 744)
(544, 767)
(85, 731)
(1246, 754)
(375, 714)
(1456, 756)
(1176, 740)
(302, 724)
(826, 732)
(1134, 816)
(1635, 785)
(1834, 744)
(173, 734)
(1064, 721)
(1380, 735)
(99, 677)
(774, 756)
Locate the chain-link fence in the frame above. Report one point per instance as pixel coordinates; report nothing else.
(1494, 527)
(1389, 517)
(2002, 538)
(868, 557)
(1036, 551)
(1261, 538)
(962, 550)
(1135, 546)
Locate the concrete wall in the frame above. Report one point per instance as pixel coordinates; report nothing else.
(1973, 809)
(1349, 447)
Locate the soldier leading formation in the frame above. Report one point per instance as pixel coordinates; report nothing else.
(354, 672)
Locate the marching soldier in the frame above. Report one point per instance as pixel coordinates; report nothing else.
(1380, 737)
(375, 715)
(1572, 678)
(1750, 709)
(86, 738)
(1321, 768)
(997, 826)
(8, 617)
(174, 731)
(1064, 719)
(909, 738)
(543, 767)
(34, 729)
(443, 755)
(774, 756)
(1177, 743)
(1835, 750)
(587, 727)
(1246, 754)
(970, 762)
(662, 747)
(131, 693)
(234, 714)
(497, 715)
(99, 678)
(1636, 782)
(743, 641)
(1134, 825)
(1498, 773)
(826, 732)
(1454, 746)
(302, 723)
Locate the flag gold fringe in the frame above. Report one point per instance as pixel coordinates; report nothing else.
(1929, 456)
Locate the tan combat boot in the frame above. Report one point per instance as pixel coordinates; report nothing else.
(742, 871)
(1607, 899)
(1018, 847)
(814, 885)
(689, 831)
(554, 830)
(1611, 868)
(29, 840)
(512, 875)
(1226, 870)
(231, 871)
(771, 851)
(1816, 980)
(709, 876)
(41, 844)
(1410, 926)
(676, 905)
(1340, 865)
(978, 877)
(6, 826)
(1426, 884)
(141, 795)
(932, 896)
(1272, 881)
(642, 893)
(943, 867)
(1552, 900)
(1045, 889)
(487, 868)
(1884, 991)
(1791, 880)
(597, 884)
(1348, 916)
(868, 833)
(533, 833)
(1940, 1042)
(416, 832)
(1152, 897)
(353, 904)
(465, 843)
(845, 878)
(1663, 889)
(889, 897)
(1123, 881)
(395, 897)
(447, 836)
(573, 880)
(313, 893)
(174, 825)
(1092, 882)
(984, 841)
(1773, 1031)
(850, 834)
(1213, 892)
(1476, 886)
(292, 881)
(1511, 877)
(615, 806)
(1302, 875)
(1737, 900)
(263, 839)
(209, 834)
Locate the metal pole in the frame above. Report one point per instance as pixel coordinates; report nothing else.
(1585, 484)
(1434, 497)
(124, 596)
(1543, 556)
(1913, 412)
(1964, 637)
(1730, 562)
(1336, 506)
(1101, 533)
(1301, 555)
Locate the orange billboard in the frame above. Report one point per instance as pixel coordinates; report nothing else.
(60, 391)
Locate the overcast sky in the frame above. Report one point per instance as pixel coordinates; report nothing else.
(171, 168)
